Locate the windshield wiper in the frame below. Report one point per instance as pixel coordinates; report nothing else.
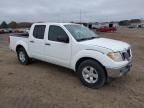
(89, 38)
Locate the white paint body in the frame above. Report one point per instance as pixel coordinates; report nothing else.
(68, 54)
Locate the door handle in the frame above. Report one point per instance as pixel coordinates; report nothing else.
(31, 41)
(47, 44)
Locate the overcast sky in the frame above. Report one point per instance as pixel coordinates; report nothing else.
(69, 10)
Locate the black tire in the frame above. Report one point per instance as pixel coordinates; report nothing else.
(100, 72)
(26, 60)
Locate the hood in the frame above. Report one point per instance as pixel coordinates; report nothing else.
(111, 44)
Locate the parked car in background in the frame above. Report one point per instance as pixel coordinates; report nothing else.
(27, 30)
(106, 29)
(1, 31)
(7, 30)
(18, 30)
(141, 26)
(10, 30)
(132, 26)
(76, 47)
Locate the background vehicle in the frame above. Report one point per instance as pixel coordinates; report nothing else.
(1, 31)
(27, 30)
(132, 26)
(106, 29)
(8, 30)
(75, 47)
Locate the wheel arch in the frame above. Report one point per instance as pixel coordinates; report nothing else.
(18, 47)
(88, 58)
(22, 45)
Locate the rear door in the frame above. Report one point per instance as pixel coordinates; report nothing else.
(36, 41)
(55, 51)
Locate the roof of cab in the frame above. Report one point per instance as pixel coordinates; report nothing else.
(54, 23)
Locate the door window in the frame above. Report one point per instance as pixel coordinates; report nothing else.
(55, 32)
(39, 31)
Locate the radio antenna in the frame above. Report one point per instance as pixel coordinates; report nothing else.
(80, 16)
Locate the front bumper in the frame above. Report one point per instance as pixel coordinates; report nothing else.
(118, 72)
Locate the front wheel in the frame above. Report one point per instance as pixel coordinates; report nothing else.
(91, 74)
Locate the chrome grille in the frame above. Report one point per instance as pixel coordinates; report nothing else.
(126, 54)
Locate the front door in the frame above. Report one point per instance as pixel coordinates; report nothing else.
(55, 51)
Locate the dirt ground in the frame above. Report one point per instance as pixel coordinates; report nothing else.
(43, 85)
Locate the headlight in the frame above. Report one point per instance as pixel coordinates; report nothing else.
(116, 56)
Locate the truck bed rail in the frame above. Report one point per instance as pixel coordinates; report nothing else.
(24, 35)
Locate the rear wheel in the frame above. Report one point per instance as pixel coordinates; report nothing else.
(23, 57)
(91, 74)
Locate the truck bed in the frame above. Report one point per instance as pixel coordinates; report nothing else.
(15, 39)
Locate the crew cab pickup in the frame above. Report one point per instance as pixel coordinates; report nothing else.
(74, 46)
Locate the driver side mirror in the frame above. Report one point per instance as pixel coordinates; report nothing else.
(63, 39)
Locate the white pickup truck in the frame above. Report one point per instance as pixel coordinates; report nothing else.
(74, 46)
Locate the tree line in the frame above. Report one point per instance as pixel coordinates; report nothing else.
(14, 25)
(128, 22)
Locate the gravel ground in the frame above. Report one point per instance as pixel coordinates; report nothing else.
(43, 85)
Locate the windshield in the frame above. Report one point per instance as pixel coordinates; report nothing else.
(81, 33)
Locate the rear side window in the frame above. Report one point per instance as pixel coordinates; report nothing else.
(39, 31)
(55, 32)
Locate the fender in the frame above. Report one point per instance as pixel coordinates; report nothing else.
(99, 56)
(24, 44)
